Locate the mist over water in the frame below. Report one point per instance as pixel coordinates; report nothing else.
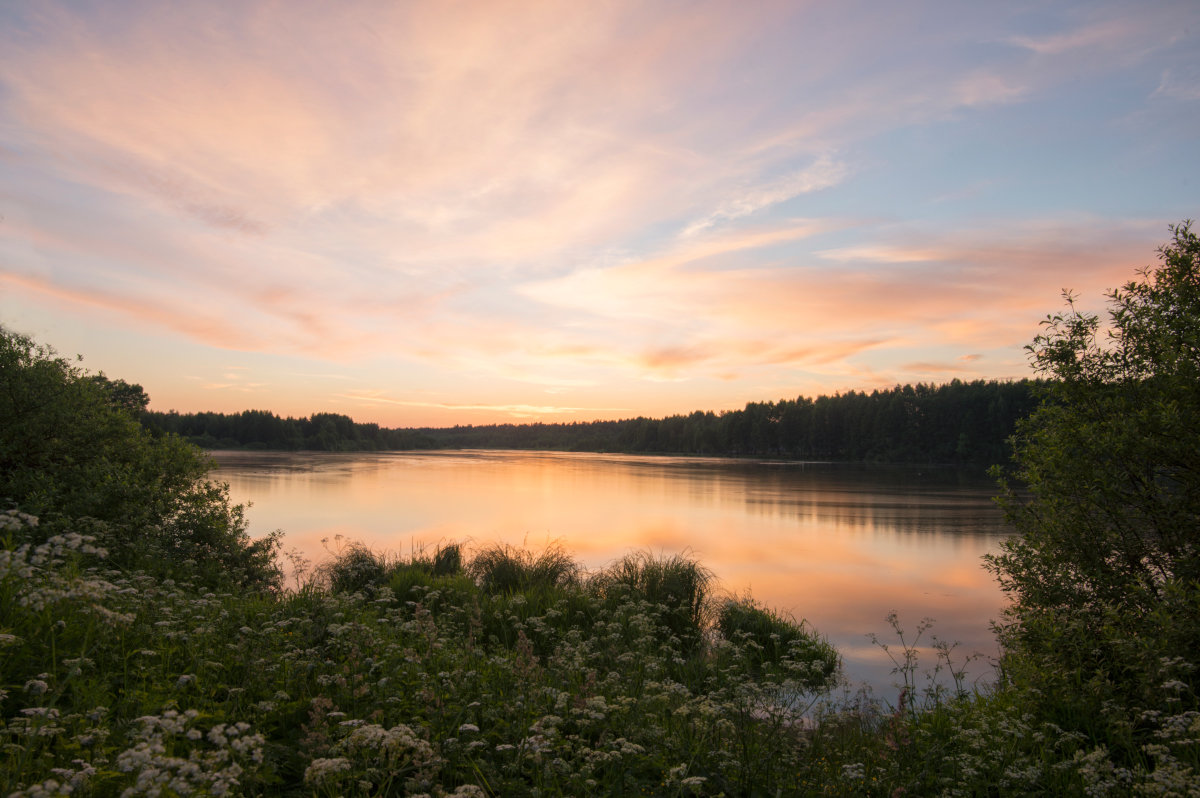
(838, 545)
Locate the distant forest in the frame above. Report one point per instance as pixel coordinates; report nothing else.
(959, 422)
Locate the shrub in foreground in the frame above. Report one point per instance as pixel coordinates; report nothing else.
(73, 453)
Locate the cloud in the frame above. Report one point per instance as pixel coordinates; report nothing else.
(973, 289)
(515, 410)
(211, 328)
(933, 368)
(984, 88)
(1097, 35)
(824, 173)
(881, 254)
(1177, 87)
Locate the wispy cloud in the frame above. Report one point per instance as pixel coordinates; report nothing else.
(1179, 87)
(825, 172)
(1104, 34)
(515, 410)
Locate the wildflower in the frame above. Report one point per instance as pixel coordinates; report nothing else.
(854, 771)
(468, 727)
(36, 687)
(321, 770)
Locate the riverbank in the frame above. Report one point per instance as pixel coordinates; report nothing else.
(511, 674)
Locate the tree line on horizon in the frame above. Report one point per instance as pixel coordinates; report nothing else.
(957, 422)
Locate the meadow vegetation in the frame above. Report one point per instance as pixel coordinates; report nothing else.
(148, 644)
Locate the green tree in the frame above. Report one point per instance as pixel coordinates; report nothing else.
(73, 453)
(1104, 572)
(129, 397)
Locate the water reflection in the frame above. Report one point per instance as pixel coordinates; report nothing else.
(838, 545)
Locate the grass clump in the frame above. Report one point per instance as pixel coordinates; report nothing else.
(355, 567)
(679, 585)
(768, 640)
(507, 569)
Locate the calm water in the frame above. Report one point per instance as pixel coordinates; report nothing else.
(838, 545)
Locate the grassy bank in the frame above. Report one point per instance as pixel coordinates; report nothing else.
(504, 674)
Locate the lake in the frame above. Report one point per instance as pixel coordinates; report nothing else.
(838, 545)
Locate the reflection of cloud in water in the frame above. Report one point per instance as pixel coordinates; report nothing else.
(838, 545)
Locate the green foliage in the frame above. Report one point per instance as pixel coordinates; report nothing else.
(73, 453)
(122, 395)
(679, 585)
(506, 569)
(767, 639)
(1105, 571)
(447, 560)
(354, 568)
(1111, 460)
(121, 683)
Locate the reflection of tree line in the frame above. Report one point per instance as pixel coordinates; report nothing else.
(941, 502)
(936, 520)
(959, 422)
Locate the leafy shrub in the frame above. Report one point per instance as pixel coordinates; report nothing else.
(73, 453)
(1105, 571)
(447, 560)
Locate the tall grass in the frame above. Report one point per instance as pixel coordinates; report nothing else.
(355, 567)
(506, 569)
(767, 639)
(677, 584)
(463, 684)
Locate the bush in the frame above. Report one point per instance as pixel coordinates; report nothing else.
(447, 560)
(73, 453)
(1105, 569)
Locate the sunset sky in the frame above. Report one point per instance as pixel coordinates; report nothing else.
(466, 212)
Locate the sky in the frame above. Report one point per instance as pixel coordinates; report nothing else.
(438, 213)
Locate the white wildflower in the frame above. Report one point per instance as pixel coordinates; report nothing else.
(320, 770)
(854, 771)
